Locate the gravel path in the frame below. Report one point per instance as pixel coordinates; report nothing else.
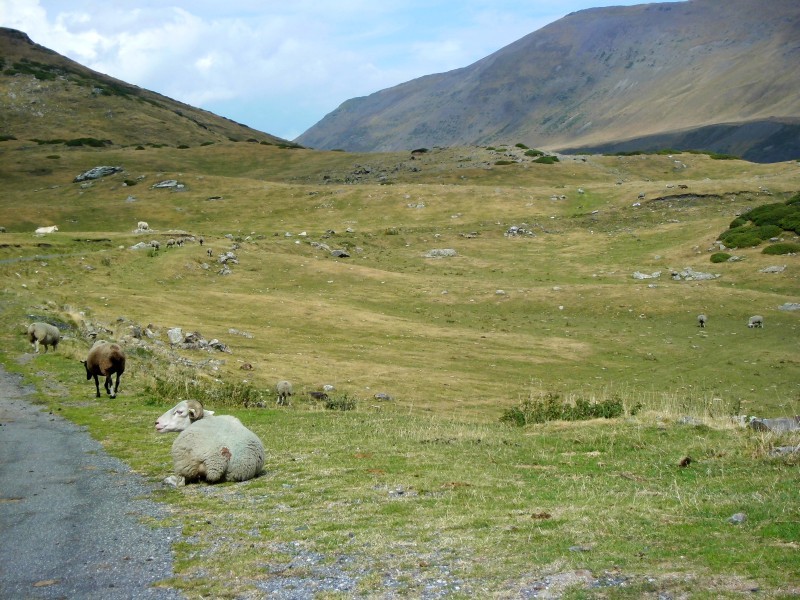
(70, 515)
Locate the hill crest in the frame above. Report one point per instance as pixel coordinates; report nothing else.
(599, 77)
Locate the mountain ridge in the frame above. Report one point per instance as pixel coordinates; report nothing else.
(44, 95)
(595, 77)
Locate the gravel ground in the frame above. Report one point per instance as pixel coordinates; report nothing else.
(70, 515)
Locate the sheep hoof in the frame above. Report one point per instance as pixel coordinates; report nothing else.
(174, 481)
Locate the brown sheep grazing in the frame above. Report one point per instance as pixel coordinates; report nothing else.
(105, 359)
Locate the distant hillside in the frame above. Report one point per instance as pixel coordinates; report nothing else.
(46, 96)
(712, 75)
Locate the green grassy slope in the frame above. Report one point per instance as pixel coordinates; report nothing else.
(428, 489)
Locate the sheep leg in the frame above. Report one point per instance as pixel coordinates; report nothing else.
(116, 386)
(97, 385)
(36, 346)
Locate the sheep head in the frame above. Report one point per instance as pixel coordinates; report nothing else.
(180, 416)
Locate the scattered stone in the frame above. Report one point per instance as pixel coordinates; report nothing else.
(773, 269)
(340, 254)
(175, 335)
(234, 331)
(780, 425)
(97, 173)
(689, 274)
(168, 183)
(640, 275)
(141, 246)
(790, 306)
(441, 253)
(737, 519)
(383, 397)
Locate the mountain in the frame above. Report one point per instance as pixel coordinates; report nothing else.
(46, 96)
(714, 75)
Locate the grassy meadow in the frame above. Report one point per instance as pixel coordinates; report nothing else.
(429, 494)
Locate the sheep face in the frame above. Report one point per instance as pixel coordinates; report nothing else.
(180, 416)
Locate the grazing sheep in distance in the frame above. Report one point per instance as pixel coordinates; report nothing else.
(701, 320)
(105, 359)
(155, 244)
(208, 447)
(284, 390)
(44, 334)
(755, 321)
(318, 395)
(51, 229)
(142, 225)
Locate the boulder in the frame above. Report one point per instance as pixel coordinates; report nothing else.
(97, 173)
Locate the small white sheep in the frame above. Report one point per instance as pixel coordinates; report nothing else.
(284, 390)
(701, 320)
(105, 359)
(44, 334)
(142, 225)
(208, 447)
(50, 229)
(155, 245)
(755, 321)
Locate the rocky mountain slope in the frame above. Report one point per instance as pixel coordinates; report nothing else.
(703, 74)
(46, 96)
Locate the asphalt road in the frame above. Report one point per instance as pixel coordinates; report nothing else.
(70, 515)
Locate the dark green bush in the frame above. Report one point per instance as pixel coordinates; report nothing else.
(782, 248)
(794, 199)
(769, 214)
(343, 402)
(92, 142)
(719, 257)
(743, 239)
(738, 222)
(7, 138)
(534, 153)
(131, 182)
(522, 146)
(791, 223)
(550, 407)
(503, 162)
(546, 160)
(53, 156)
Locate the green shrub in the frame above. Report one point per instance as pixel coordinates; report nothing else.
(92, 142)
(130, 182)
(719, 257)
(419, 151)
(769, 214)
(343, 402)
(794, 199)
(53, 156)
(534, 153)
(504, 162)
(183, 147)
(522, 146)
(791, 223)
(743, 239)
(7, 138)
(211, 143)
(550, 407)
(737, 222)
(183, 384)
(782, 248)
(546, 160)
(140, 147)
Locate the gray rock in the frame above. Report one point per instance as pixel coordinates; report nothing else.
(175, 335)
(441, 253)
(97, 173)
(640, 275)
(773, 269)
(167, 183)
(737, 519)
(790, 306)
(340, 254)
(780, 425)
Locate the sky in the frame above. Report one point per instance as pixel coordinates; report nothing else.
(279, 66)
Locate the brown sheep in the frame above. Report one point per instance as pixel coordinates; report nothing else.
(105, 359)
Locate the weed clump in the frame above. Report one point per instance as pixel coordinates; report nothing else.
(551, 407)
(174, 386)
(762, 223)
(343, 402)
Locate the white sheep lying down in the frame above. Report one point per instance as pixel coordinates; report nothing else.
(210, 447)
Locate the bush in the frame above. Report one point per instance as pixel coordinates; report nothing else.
(92, 142)
(343, 402)
(737, 222)
(183, 147)
(782, 248)
(503, 162)
(183, 384)
(719, 257)
(550, 407)
(534, 153)
(522, 146)
(546, 160)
